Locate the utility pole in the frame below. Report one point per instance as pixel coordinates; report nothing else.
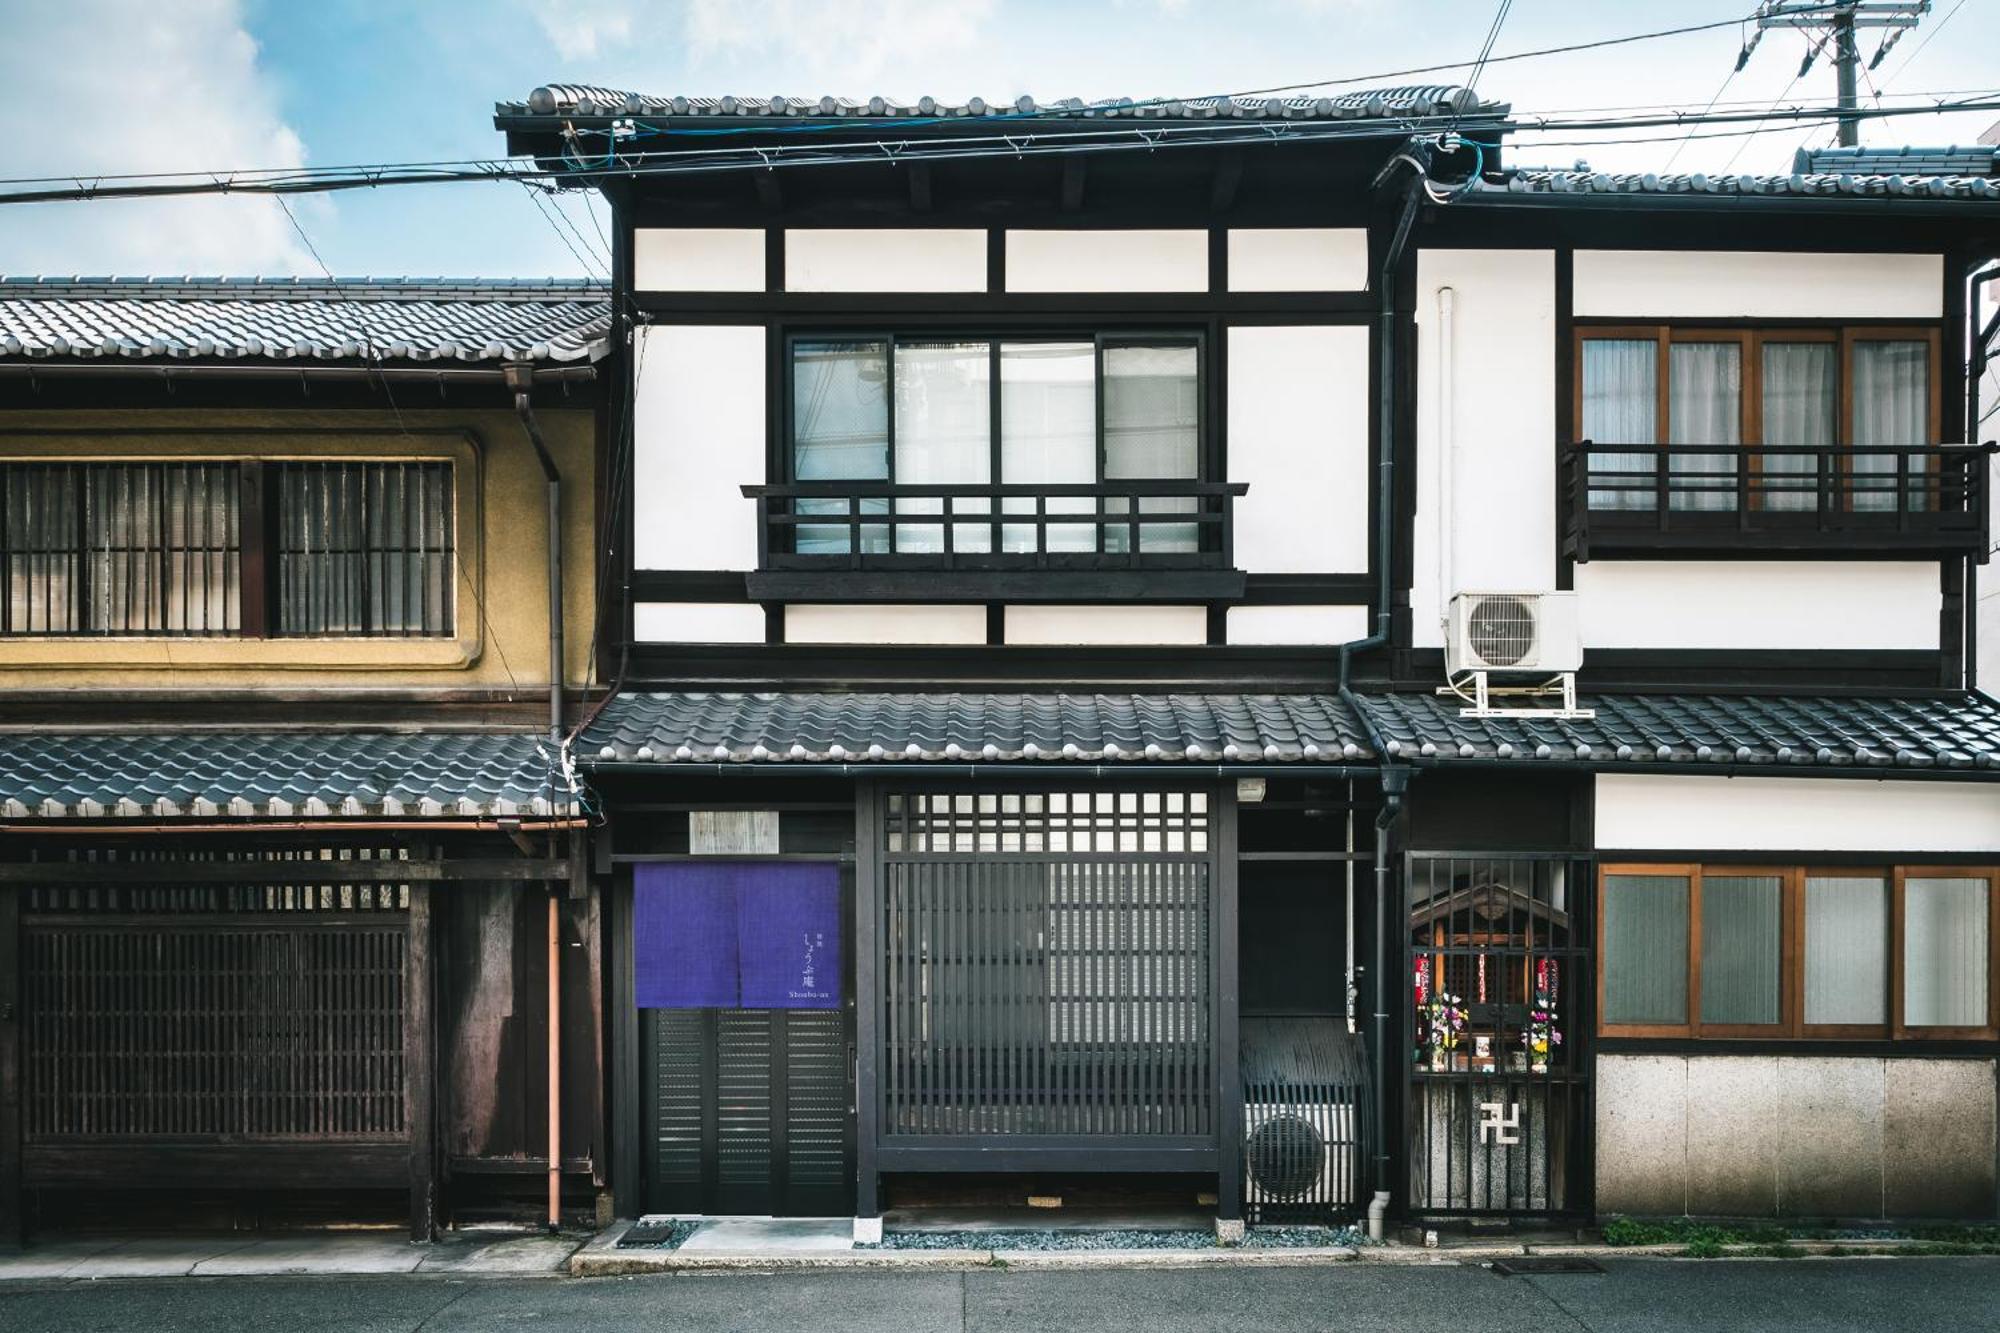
(1845, 60)
(1836, 23)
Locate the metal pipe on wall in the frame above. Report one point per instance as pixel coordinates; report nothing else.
(521, 378)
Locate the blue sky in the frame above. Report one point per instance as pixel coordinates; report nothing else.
(146, 85)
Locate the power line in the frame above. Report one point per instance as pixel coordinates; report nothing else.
(1146, 139)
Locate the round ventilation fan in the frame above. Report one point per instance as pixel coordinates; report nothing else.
(1501, 630)
(1286, 1157)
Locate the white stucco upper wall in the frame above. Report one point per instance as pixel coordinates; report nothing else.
(1670, 812)
(885, 259)
(1501, 398)
(1107, 261)
(1298, 434)
(698, 259)
(1298, 259)
(1728, 284)
(1805, 604)
(698, 426)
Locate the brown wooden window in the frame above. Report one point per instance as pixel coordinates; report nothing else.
(1691, 420)
(227, 548)
(1798, 951)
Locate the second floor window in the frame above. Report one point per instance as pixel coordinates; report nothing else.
(996, 446)
(227, 548)
(1775, 420)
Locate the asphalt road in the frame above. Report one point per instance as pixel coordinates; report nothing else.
(1818, 1296)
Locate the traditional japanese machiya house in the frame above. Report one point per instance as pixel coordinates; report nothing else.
(1258, 652)
(290, 920)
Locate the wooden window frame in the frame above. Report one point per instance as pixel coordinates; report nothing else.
(1898, 1026)
(259, 587)
(1750, 428)
(1792, 959)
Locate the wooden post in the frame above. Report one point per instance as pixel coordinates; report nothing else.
(555, 1058)
(418, 1069)
(13, 1222)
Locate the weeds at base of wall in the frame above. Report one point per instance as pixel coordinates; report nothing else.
(1711, 1240)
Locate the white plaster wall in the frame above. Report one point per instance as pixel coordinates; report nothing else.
(1758, 604)
(699, 438)
(1107, 261)
(1298, 259)
(1107, 624)
(698, 259)
(1696, 284)
(1798, 1136)
(1502, 418)
(885, 624)
(1297, 624)
(895, 259)
(1712, 812)
(1298, 434)
(697, 622)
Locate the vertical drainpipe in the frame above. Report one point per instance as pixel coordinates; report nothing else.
(1393, 780)
(521, 378)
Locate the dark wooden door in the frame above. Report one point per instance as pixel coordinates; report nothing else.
(749, 1111)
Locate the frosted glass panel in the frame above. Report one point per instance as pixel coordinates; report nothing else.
(1944, 952)
(1847, 949)
(840, 431)
(1740, 916)
(1645, 949)
(944, 421)
(1048, 433)
(1152, 416)
(1892, 392)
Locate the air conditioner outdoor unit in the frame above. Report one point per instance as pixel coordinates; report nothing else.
(1530, 633)
(1300, 1157)
(1503, 634)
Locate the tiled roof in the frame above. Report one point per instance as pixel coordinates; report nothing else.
(1800, 184)
(1686, 732)
(278, 775)
(1948, 160)
(881, 728)
(587, 101)
(298, 319)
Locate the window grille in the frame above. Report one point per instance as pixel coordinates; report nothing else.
(122, 548)
(365, 549)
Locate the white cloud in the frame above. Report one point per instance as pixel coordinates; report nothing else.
(118, 86)
(583, 29)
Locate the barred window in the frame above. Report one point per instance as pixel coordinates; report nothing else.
(365, 549)
(122, 548)
(228, 548)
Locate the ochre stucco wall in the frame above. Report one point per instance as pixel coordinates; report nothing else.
(502, 620)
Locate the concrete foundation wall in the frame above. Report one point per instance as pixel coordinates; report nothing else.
(1795, 1136)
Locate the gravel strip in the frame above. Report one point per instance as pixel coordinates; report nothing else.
(658, 1235)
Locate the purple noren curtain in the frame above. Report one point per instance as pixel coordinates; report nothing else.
(737, 935)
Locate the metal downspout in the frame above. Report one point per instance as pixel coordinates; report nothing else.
(1393, 780)
(521, 378)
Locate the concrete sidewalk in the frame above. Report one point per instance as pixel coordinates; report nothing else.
(459, 1254)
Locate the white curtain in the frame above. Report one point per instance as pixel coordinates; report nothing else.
(1048, 433)
(1740, 916)
(944, 419)
(1621, 406)
(1645, 949)
(1704, 407)
(1847, 949)
(1891, 406)
(1152, 415)
(1944, 952)
(1801, 407)
(840, 431)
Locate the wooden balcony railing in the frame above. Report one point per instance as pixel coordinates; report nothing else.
(1623, 500)
(1156, 537)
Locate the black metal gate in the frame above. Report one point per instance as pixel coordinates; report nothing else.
(1499, 989)
(749, 1111)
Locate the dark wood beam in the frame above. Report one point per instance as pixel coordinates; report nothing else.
(920, 187)
(770, 193)
(13, 1226)
(1073, 173)
(1223, 185)
(418, 1074)
(283, 872)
